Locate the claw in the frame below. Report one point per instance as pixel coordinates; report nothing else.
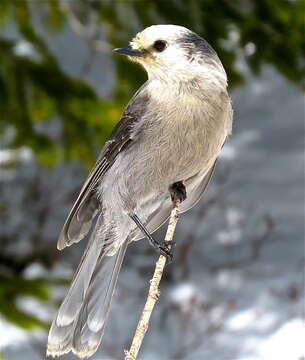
(168, 244)
(165, 251)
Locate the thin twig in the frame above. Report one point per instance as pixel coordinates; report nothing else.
(154, 292)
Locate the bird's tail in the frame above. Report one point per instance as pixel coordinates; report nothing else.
(81, 319)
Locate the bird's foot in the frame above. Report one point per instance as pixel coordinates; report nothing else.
(162, 248)
(165, 248)
(178, 192)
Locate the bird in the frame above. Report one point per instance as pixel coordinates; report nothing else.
(165, 145)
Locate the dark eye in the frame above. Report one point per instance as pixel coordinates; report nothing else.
(159, 45)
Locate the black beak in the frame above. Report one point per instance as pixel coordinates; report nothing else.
(129, 51)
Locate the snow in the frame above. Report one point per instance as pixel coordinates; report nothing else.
(24, 48)
(11, 335)
(285, 343)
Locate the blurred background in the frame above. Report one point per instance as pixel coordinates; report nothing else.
(235, 288)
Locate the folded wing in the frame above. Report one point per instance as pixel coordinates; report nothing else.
(87, 205)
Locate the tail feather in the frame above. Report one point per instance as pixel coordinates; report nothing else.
(81, 319)
(60, 339)
(74, 299)
(93, 315)
(98, 299)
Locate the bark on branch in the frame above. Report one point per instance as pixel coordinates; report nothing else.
(154, 292)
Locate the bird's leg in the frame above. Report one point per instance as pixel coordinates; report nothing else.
(178, 192)
(161, 248)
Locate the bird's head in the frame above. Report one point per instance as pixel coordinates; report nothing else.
(172, 53)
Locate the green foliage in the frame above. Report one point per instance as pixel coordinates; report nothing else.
(15, 286)
(11, 288)
(37, 89)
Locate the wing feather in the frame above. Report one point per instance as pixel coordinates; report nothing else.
(87, 205)
(198, 184)
(195, 186)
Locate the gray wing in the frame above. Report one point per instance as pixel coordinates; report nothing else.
(87, 205)
(195, 187)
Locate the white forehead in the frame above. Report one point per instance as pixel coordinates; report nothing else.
(152, 33)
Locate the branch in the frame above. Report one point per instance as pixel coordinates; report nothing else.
(154, 292)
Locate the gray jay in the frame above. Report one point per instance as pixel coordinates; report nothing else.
(165, 145)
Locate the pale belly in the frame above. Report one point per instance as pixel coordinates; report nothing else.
(182, 153)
